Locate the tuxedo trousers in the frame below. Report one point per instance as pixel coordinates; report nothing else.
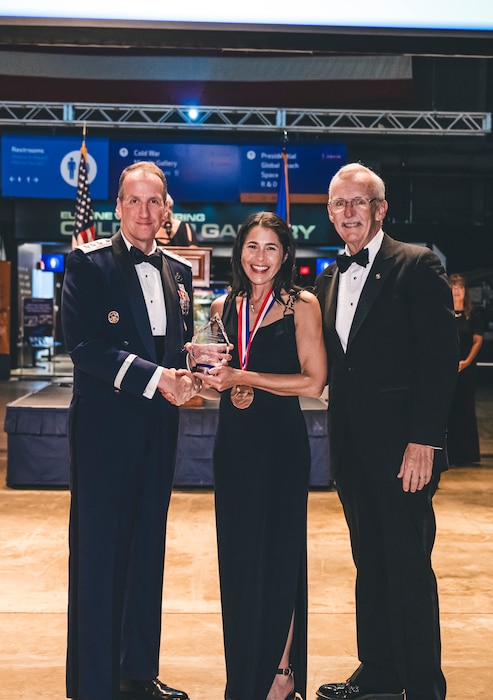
(392, 535)
(122, 461)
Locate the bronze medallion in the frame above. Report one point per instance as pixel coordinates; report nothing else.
(242, 396)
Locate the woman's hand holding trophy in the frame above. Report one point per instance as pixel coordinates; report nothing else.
(208, 354)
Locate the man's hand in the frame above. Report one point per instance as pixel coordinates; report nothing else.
(178, 385)
(416, 467)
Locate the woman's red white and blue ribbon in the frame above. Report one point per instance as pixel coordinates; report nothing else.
(245, 337)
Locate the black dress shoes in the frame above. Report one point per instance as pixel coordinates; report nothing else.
(151, 690)
(351, 691)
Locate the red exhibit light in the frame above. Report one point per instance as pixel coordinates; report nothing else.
(305, 269)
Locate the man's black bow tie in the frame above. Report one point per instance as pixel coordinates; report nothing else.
(155, 258)
(344, 261)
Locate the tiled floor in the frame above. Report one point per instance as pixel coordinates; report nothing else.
(33, 556)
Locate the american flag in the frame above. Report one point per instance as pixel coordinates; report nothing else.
(282, 208)
(84, 230)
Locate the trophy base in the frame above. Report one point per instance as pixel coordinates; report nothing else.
(194, 402)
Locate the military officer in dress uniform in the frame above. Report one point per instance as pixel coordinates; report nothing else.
(127, 313)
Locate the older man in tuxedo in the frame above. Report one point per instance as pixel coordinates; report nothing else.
(392, 348)
(126, 312)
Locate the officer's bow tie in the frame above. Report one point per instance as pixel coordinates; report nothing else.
(344, 261)
(154, 258)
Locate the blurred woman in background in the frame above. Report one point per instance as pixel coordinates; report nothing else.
(463, 438)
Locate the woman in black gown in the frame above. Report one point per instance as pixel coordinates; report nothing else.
(262, 462)
(174, 231)
(463, 438)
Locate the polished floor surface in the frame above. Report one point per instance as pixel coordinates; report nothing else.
(33, 582)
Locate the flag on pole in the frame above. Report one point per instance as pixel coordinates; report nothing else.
(282, 208)
(84, 230)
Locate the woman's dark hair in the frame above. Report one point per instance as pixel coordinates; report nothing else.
(461, 281)
(284, 279)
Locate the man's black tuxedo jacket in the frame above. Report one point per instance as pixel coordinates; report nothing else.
(395, 381)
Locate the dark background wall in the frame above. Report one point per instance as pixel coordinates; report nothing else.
(440, 187)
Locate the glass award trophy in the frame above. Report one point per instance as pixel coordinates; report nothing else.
(209, 346)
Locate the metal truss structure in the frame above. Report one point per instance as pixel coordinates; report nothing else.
(248, 119)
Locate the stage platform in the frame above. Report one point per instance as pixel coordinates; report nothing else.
(37, 445)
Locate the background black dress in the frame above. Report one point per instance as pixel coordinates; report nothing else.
(463, 438)
(261, 465)
(184, 236)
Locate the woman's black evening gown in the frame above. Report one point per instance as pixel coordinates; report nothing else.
(463, 436)
(261, 472)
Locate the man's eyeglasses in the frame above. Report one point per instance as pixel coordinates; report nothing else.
(340, 204)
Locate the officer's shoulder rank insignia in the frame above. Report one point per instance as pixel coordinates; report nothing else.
(95, 245)
(175, 256)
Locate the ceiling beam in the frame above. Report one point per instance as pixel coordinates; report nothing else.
(250, 119)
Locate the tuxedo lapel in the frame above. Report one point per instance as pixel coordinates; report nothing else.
(173, 311)
(133, 290)
(329, 312)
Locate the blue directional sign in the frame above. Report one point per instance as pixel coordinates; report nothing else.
(195, 172)
(310, 168)
(48, 166)
(221, 173)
